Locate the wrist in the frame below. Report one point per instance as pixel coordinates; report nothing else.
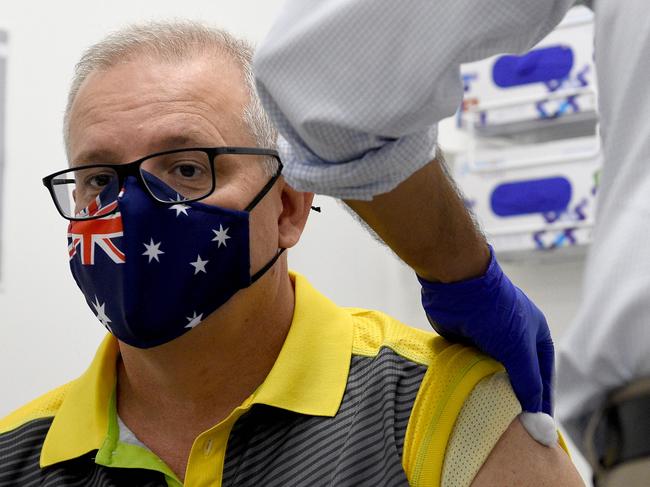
(469, 263)
(470, 292)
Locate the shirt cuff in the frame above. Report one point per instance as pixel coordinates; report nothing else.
(376, 171)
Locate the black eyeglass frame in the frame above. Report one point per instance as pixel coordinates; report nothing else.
(133, 169)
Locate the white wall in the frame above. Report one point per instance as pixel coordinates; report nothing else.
(47, 333)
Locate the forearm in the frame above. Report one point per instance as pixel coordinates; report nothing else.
(424, 221)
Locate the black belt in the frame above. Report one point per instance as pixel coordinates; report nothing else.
(623, 431)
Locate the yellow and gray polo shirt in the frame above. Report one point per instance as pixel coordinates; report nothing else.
(355, 398)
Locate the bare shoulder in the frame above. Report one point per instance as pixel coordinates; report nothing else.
(518, 460)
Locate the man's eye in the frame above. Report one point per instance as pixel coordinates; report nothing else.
(188, 171)
(99, 181)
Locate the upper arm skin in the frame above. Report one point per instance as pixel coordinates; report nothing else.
(517, 460)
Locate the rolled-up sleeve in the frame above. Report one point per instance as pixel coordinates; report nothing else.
(357, 87)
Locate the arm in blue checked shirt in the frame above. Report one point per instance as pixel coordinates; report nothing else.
(356, 88)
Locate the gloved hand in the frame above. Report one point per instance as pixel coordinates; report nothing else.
(496, 317)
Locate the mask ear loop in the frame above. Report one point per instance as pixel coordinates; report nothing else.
(268, 265)
(267, 187)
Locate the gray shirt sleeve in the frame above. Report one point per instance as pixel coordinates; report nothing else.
(356, 87)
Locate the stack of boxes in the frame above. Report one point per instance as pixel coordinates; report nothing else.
(530, 168)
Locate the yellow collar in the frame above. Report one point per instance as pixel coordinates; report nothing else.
(308, 377)
(81, 423)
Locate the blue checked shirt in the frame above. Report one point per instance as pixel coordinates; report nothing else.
(357, 87)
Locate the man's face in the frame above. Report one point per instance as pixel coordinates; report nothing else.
(142, 107)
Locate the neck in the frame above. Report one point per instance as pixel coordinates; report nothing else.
(200, 377)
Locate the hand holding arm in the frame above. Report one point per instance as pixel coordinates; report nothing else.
(356, 89)
(464, 292)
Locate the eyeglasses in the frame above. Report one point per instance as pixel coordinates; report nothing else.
(192, 174)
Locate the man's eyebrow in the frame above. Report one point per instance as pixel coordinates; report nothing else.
(95, 156)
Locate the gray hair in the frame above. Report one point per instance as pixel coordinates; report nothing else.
(175, 41)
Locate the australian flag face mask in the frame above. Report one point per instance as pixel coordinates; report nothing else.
(151, 272)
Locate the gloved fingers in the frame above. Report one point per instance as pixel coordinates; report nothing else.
(528, 387)
(449, 335)
(541, 427)
(524, 373)
(546, 356)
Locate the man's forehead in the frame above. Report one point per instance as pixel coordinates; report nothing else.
(172, 137)
(161, 103)
(141, 83)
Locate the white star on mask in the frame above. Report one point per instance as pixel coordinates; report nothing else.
(153, 251)
(101, 314)
(199, 265)
(179, 207)
(221, 236)
(194, 320)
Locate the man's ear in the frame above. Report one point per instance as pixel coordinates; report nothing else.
(295, 210)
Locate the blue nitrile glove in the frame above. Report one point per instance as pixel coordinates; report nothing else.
(496, 317)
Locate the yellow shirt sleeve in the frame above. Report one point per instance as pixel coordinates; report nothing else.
(484, 417)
